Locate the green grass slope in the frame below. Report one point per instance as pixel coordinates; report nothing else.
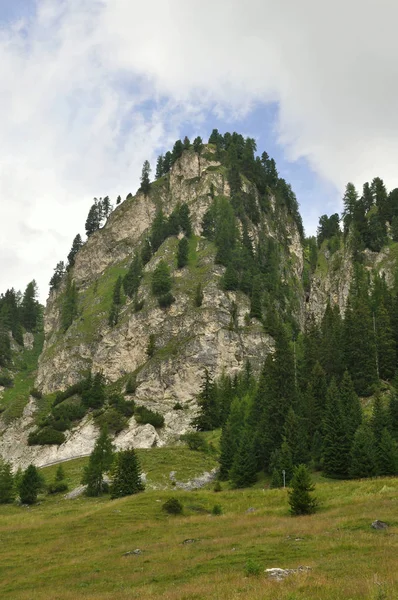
(63, 550)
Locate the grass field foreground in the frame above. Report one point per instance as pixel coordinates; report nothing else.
(69, 549)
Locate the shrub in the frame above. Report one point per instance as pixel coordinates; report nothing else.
(131, 385)
(76, 388)
(217, 487)
(166, 300)
(31, 483)
(124, 407)
(46, 436)
(143, 415)
(138, 304)
(173, 506)
(195, 441)
(216, 510)
(178, 406)
(115, 421)
(252, 568)
(57, 487)
(36, 393)
(6, 381)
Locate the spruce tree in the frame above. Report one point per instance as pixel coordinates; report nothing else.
(363, 453)
(31, 484)
(69, 304)
(30, 307)
(386, 454)
(177, 151)
(385, 344)
(145, 178)
(244, 468)
(295, 435)
(158, 231)
(184, 218)
(117, 292)
(209, 416)
(7, 488)
(351, 406)
(256, 299)
(230, 436)
(301, 499)
(159, 167)
(58, 275)
(161, 279)
(198, 144)
(100, 461)
(336, 443)
(132, 279)
(76, 245)
(126, 475)
(393, 415)
(151, 348)
(94, 218)
(182, 253)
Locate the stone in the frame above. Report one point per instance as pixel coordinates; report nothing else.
(135, 552)
(279, 574)
(251, 510)
(189, 541)
(379, 524)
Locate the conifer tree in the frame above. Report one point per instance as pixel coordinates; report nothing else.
(158, 231)
(69, 305)
(198, 145)
(145, 178)
(132, 279)
(167, 162)
(7, 489)
(76, 245)
(393, 414)
(31, 484)
(209, 416)
(350, 200)
(151, 348)
(161, 279)
(186, 143)
(184, 218)
(58, 275)
(146, 252)
(351, 406)
(126, 475)
(94, 218)
(379, 419)
(230, 436)
(385, 344)
(230, 279)
(118, 199)
(30, 308)
(295, 436)
(198, 299)
(363, 453)
(386, 454)
(159, 167)
(336, 443)
(182, 253)
(244, 468)
(100, 461)
(301, 499)
(117, 292)
(256, 299)
(177, 151)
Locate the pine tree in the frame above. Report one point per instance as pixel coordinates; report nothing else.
(230, 279)
(230, 436)
(126, 475)
(198, 299)
(106, 207)
(363, 453)
(167, 162)
(7, 489)
(350, 200)
(145, 178)
(161, 279)
(295, 435)
(117, 292)
(351, 406)
(58, 275)
(379, 419)
(184, 218)
(76, 245)
(94, 218)
(336, 443)
(69, 305)
(393, 414)
(151, 348)
(159, 167)
(198, 145)
(385, 344)
(209, 416)
(301, 499)
(60, 473)
(30, 308)
(177, 151)
(93, 395)
(31, 484)
(100, 461)
(158, 231)
(182, 253)
(132, 279)
(256, 299)
(386, 454)
(118, 200)
(244, 468)
(186, 143)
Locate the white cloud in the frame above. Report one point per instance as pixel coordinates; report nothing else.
(76, 79)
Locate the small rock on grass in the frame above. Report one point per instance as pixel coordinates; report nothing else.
(379, 524)
(135, 552)
(279, 574)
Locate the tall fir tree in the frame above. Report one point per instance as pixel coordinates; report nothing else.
(126, 478)
(100, 461)
(244, 468)
(7, 488)
(76, 245)
(145, 178)
(336, 443)
(363, 454)
(31, 484)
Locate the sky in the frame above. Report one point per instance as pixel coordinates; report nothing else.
(89, 89)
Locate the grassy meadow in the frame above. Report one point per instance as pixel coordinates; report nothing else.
(68, 549)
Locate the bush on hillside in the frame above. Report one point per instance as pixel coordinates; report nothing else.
(173, 506)
(143, 415)
(46, 436)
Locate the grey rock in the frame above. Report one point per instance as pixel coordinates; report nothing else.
(135, 552)
(379, 524)
(279, 574)
(251, 510)
(189, 541)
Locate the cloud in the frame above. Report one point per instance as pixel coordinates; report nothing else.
(91, 88)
